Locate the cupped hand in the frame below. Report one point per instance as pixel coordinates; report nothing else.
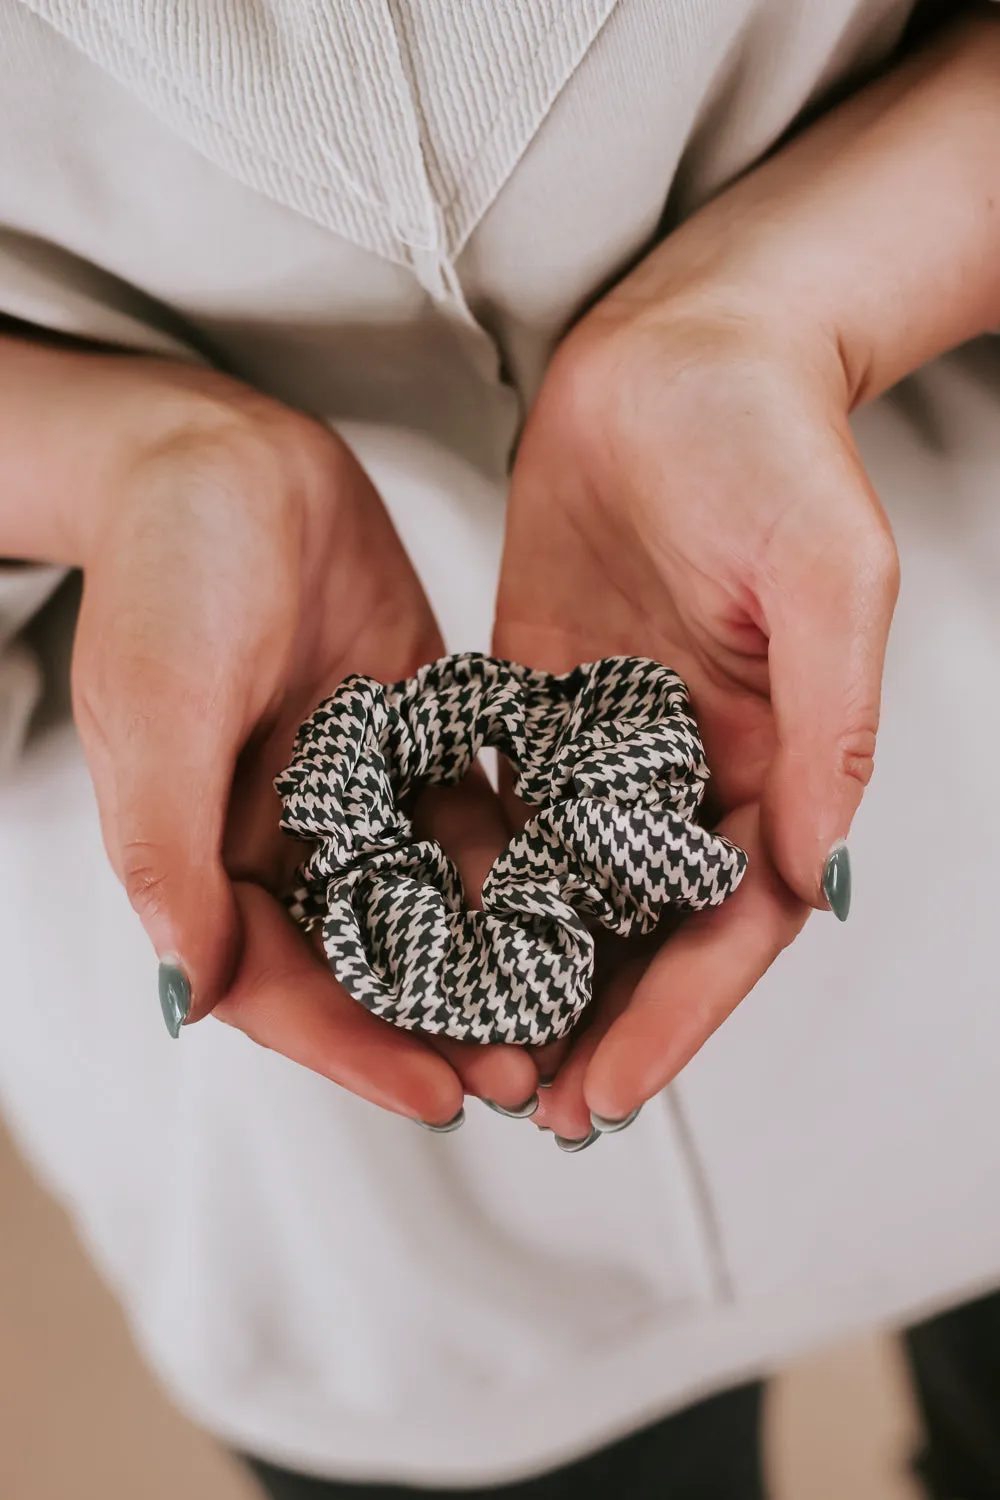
(241, 564)
(688, 489)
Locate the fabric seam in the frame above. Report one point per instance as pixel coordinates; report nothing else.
(723, 1287)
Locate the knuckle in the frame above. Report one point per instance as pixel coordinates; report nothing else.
(855, 754)
(144, 877)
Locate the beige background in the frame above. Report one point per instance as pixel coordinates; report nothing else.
(81, 1419)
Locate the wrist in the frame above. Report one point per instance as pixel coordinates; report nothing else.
(722, 316)
(73, 424)
(98, 425)
(870, 242)
(152, 415)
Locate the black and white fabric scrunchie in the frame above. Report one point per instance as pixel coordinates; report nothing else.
(611, 758)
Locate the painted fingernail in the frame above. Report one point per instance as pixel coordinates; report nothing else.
(546, 1083)
(566, 1143)
(175, 996)
(447, 1127)
(837, 880)
(520, 1112)
(604, 1126)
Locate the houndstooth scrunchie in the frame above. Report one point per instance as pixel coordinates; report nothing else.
(610, 756)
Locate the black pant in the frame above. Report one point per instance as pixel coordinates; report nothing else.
(956, 1369)
(712, 1451)
(708, 1452)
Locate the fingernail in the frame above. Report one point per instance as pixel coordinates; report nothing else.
(521, 1112)
(566, 1143)
(447, 1127)
(837, 880)
(604, 1126)
(546, 1083)
(175, 996)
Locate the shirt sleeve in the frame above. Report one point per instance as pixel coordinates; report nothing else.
(46, 291)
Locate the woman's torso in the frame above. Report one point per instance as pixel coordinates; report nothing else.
(388, 214)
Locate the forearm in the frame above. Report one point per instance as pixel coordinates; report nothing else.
(876, 232)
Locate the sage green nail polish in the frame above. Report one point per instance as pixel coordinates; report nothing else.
(175, 996)
(447, 1127)
(604, 1126)
(520, 1112)
(566, 1143)
(837, 881)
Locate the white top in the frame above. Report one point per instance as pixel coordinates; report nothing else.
(387, 213)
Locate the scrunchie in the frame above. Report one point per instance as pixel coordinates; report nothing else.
(610, 756)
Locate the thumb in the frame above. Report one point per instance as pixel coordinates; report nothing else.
(162, 770)
(828, 625)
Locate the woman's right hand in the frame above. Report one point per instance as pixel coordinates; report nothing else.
(238, 564)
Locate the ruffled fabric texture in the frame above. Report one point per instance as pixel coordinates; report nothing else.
(608, 754)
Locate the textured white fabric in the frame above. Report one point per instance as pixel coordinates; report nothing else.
(314, 1279)
(392, 123)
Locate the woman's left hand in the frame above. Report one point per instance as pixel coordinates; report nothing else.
(687, 489)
